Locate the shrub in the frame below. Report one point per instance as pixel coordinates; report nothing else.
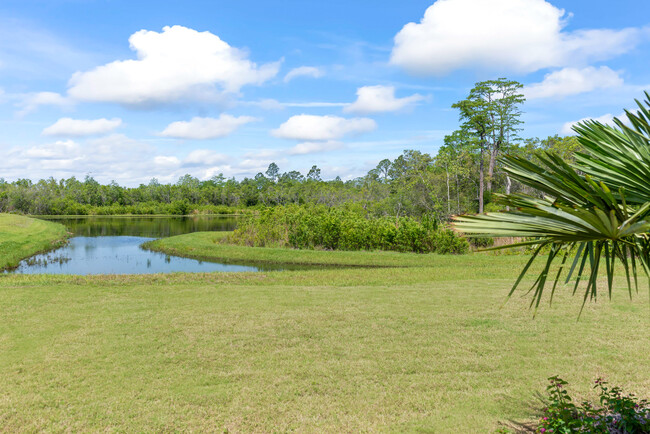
(616, 412)
(446, 241)
(347, 228)
(482, 242)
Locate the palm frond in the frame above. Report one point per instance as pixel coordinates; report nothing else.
(619, 156)
(597, 211)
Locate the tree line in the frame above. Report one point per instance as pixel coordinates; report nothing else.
(462, 177)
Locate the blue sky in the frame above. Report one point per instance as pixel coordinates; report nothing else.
(127, 91)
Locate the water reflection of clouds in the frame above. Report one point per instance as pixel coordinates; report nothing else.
(111, 245)
(116, 255)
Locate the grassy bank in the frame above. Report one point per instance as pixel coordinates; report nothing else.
(22, 237)
(209, 245)
(425, 347)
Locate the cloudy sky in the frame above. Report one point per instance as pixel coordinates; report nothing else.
(127, 91)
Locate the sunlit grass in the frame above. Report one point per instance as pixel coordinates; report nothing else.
(426, 347)
(21, 237)
(211, 245)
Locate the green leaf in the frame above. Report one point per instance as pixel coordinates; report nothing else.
(601, 204)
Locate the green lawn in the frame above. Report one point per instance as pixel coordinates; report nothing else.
(423, 348)
(209, 245)
(22, 237)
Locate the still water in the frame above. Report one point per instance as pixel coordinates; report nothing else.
(153, 227)
(111, 245)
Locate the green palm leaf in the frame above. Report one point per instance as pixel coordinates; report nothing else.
(619, 156)
(597, 211)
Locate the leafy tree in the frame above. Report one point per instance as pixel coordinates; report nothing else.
(491, 114)
(412, 183)
(293, 176)
(218, 180)
(504, 109)
(314, 174)
(188, 187)
(474, 113)
(273, 172)
(454, 157)
(383, 169)
(596, 208)
(566, 147)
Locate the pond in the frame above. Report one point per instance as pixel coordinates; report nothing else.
(144, 226)
(111, 245)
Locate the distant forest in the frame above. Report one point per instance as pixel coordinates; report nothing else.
(413, 184)
(462, 177)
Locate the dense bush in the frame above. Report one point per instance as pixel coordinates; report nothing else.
(482, 242)
(321, 227)
(615, 413)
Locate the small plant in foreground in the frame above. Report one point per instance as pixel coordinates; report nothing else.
(616, 412)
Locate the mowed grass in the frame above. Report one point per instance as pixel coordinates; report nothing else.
(212, 245)
(425, 348)
(22, 237)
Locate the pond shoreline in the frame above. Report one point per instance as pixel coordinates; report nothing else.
(112, 245)
(281, 265)
(209, 245)
(12, 224)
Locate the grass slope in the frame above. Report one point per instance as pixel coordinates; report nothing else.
(22, 237)
(207, 245)
(420, 348)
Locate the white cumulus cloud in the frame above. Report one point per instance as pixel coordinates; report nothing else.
(377, 99)
(59, 150)
(314, 147)
(177, 64)
(32, 101)
(109, 157)
(166, 161)
(81, 127)
(607, 119)
(205, 128)
(303, 71)
(516, 35)
(572, 81)
(317, 128)
(204, 157)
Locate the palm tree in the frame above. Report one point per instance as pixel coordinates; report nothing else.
(596, 208)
